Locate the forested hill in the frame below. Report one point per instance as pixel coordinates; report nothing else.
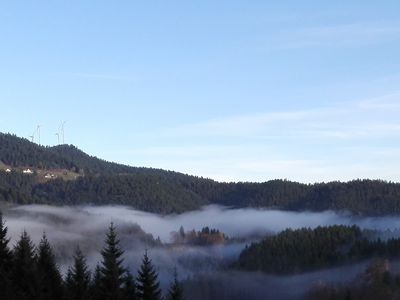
(19, 152)
(305, 249)
(101, 182)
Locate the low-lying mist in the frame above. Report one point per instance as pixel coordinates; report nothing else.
(83, 222)
(66, 227)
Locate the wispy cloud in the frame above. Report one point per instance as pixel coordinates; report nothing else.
(339, 35)
(362, 119)
(241, 124)
(342, 141)
(387, 102)
(99, 76)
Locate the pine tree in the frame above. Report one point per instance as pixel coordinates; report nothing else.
(148, 284)
(6, 290)
(68, 284)
(23, 271)
(95, 287)
(78, 278)
(50, 281)
(175, 291)
(5, 252)
(129, 289)
(112, 272)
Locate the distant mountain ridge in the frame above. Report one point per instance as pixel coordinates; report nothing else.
(15, 151)
(161, 191)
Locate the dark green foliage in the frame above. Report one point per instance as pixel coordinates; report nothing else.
(27, 275)
(129, 288)
(19, 152)
(17, 188)
(171, 192)
(5, 252)
(48, 276)
(95, 286)
(24, 269)
(146, 192)
(78, 278)
(6, 289)
(148, 285)
(293, 251)
(175, 291)
(112, 271)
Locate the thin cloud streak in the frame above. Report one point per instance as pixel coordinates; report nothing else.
(314, 145)
(341, 35)
(387, 102)
(96, 76)
(346, 121)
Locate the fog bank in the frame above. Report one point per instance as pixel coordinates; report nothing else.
(66, 227)
(71, 222)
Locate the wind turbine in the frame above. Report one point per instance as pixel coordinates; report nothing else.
(38, 130)
(58, 138)
(62, 131)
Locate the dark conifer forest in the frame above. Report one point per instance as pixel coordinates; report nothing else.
(305, 249)
(65, 176)
(98, 182)
(29, 272)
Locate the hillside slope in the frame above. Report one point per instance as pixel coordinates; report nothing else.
(161, 191)
(19, 152)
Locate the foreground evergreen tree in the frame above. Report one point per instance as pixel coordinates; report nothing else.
(112, 271)
(175, 291)
(78, 278)
(50, 282)
(6, 291)
(23, 273)
(95, 286)
(129, 290)
(5, 252)
(147, 281)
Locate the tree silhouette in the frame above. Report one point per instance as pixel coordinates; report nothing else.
(129, 289)
(78, 278)
(148, 284)
(112, 271)
(50, 282)
(23, 272)
(175, 291)
(95, 286)
(6, 291)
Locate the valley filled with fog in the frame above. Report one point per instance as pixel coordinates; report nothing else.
(67, 227)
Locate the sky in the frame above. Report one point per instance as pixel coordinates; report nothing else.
(231, 90)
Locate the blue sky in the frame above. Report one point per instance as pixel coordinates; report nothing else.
(232, 90)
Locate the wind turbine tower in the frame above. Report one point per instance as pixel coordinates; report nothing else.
(58, 138)
(38, 131)
(62, 131)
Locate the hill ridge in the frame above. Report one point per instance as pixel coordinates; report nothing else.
(163, 191)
